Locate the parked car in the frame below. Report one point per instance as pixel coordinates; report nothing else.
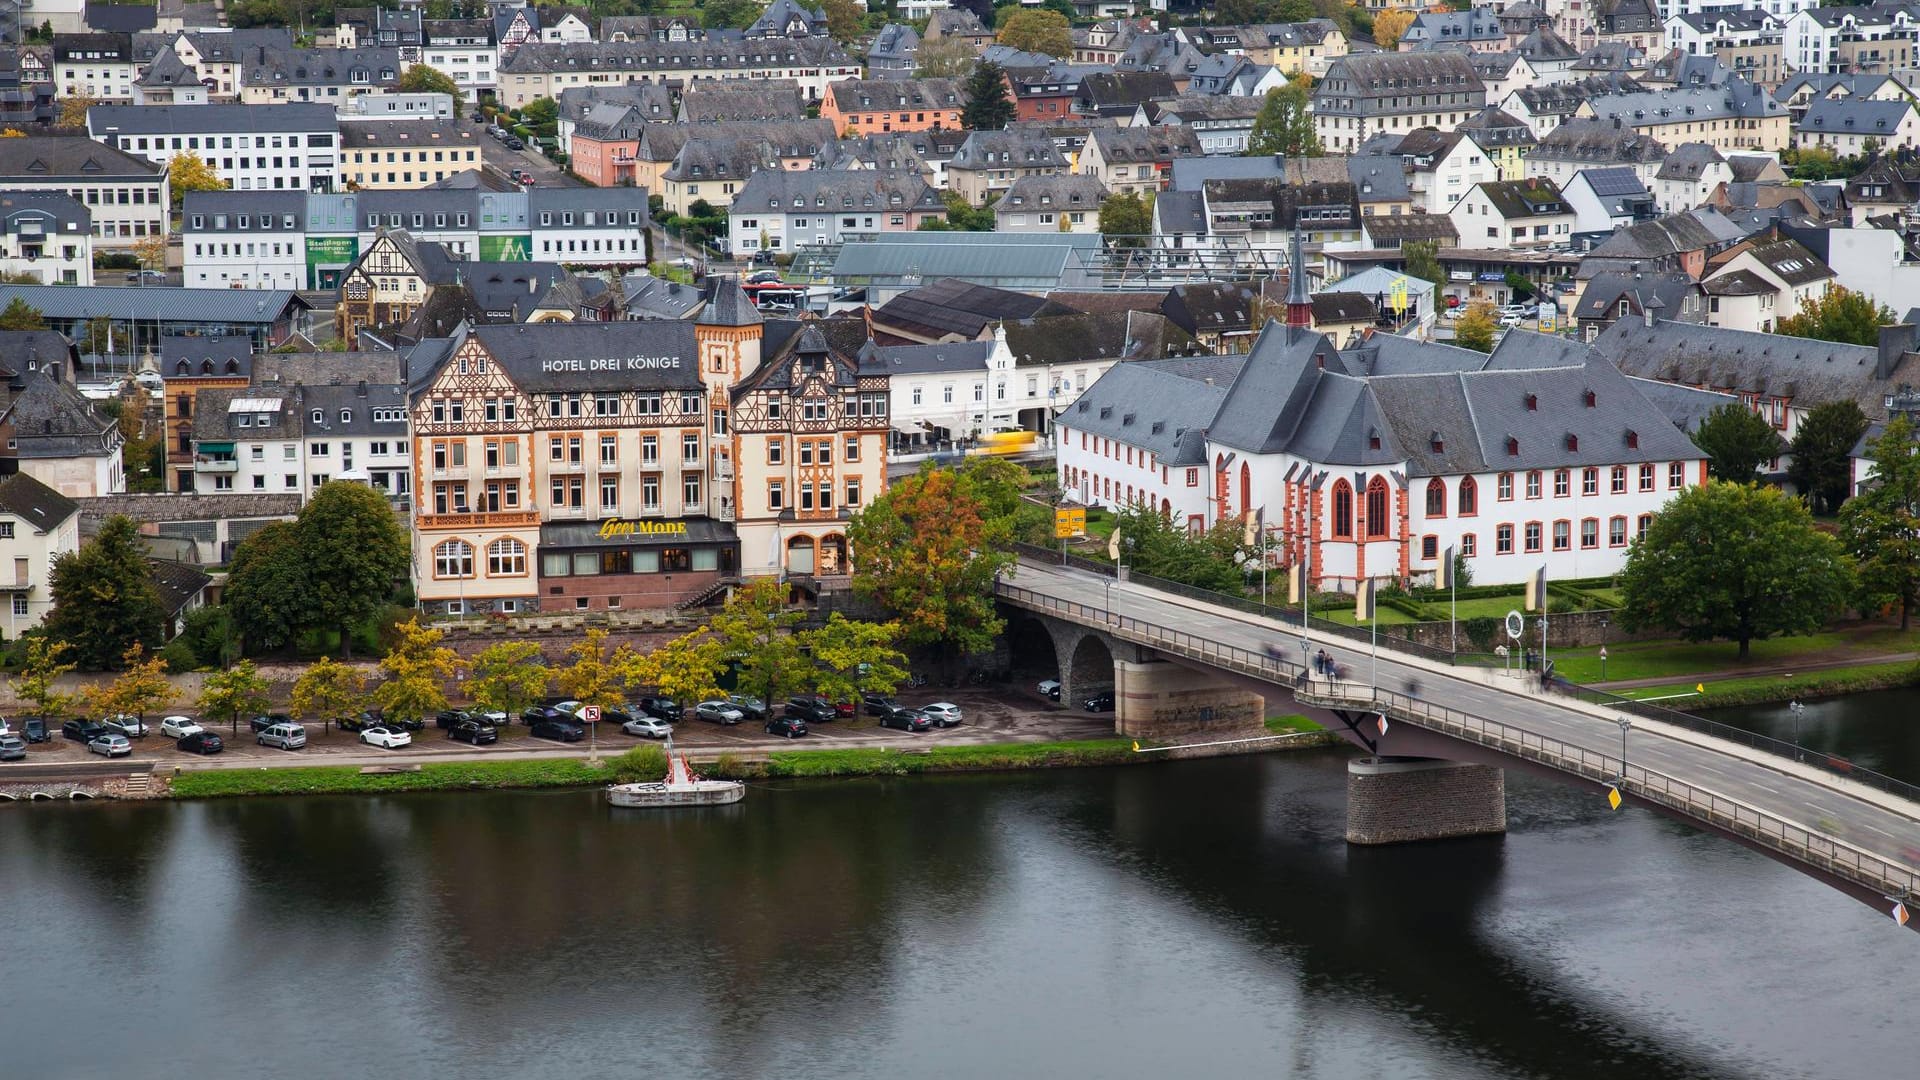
(944, 713)
(878, 704)
(200, 741)
(1101, 702)
(262, 723)
(1510, 321)
(447, 718)
(651, 727)
(477, 732)
(404, 723)
(145, 276)
(286, 735)
(618, 714)
(537, 714)
(658, 707)
(809, 709)
(750, 707)
(789, 725)
(718, 712)
(36, 730)
(381, 735)
(179, 727)
(112, 744)
(1513, 309)
(560, 730)
(907, 720)
(130, 726)
(12, 748)
(764, 277)
(1049, 689)
(496, 717)
(82, 730)
(524, 177)
(360, 721)
(513, 143)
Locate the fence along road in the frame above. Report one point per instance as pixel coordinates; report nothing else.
(1866, 841)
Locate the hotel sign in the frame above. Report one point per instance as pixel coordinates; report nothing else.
(614, 363)
(629, 528)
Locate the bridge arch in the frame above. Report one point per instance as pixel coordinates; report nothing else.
(1088, 670)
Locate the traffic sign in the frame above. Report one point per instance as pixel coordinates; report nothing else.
(1900, 913)
(1613, 798)
(1516, 625)
(590, 713)
(1069, 521)
(1383, 723)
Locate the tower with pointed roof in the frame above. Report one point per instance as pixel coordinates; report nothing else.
(1299, 302)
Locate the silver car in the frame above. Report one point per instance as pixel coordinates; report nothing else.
(944, 713)
(12, 748)
(130, 726)
(112, 744)
(648, 726)
(718, 712)
(284, 736)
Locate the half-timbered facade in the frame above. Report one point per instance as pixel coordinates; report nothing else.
(382, 288)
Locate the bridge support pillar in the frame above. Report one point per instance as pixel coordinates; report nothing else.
(1398, 800)
(1154, 699)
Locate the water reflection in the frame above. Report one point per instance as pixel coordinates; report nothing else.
(1875, 730)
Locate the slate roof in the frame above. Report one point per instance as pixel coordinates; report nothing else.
(1062, 191)
(218, 119)
(524, 351)
(1161, 406)
(1600, 299)
(205, 356)
(1693, 230)
(1123, 91)
(726, 304)
(236, 306)
(784, 191)
(1002, 149)
(1683, 405)
(1534, 197)
(951, 356)
(1852, 116)
(1688, 104)
(710, 54)
(1807, 371)
(1391, 354)
(1077, 337)
(431, 134)
(1343, 307)
(765, 100)
(866, 95)
(1738, 283)
(1688, 161)
(1393, 230)
(1494, 127)
(121, 18)
(1791, 262)
(1597, 142)
(50, 418)
(953, 306)
(649, 297)
(33, 502)
(43, 157)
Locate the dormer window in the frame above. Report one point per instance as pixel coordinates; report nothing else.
(319, 416)
(1533, 403)
(1573, 441)
(1513, 446)
(1633, 439)
(1589, 399)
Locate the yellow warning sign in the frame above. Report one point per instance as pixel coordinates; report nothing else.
(1613, 798)
(1069, 521)
(1699, 688)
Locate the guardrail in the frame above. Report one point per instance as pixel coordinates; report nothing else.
(1806, 845)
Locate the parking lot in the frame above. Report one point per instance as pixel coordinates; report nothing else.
(990, 715)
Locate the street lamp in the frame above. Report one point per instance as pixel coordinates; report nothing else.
(1603, 648)
(1797, 709)
(1626, 725)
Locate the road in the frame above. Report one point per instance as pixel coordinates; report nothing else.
(1880, 823)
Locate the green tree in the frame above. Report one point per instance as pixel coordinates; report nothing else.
(1736, 441)
(267, 588)
(944, 58)
(140, 687)
(329, 690)
(928, 551)
(508, 676)
(104, 598)
(1821, 468)
(21, 315)
(592, 678)
(1734, 561)
(845, 21)
(1474, 329)
(1127, 219)
(1284, 125)
(1037, 30)
(989, 103)
(1839, 314)
(355, 550)
(238, 691)
(686, 669)
(730, 14)
(997, 483)
(756, 630)
(188, 172)
(1880, 527)
(427, 79)
(417, 669)
(207, 635)
(42, 665)
(1423, 262)
(1160, 547)
(852, 658)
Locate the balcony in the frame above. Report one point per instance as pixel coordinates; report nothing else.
(504, 519)
(206, 464)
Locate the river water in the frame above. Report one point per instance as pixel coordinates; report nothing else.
(1185, 919)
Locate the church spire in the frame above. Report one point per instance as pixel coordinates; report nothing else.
(1299, 303)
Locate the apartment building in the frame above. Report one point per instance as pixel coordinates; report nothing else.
(376, 154)
(126, 196)
(251, 147)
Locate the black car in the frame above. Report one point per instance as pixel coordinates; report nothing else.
(361, 720)
(751, 707)
(812, 710)
(477, 732)
(409, 725)
(541, 713)
(907, 720)
(513, 143)
(446, 719)
(262, 723)
(617, 714)
(789, 725)
(1101, 702)
(879, 704)
(201, 742)
(559, 730)
(35, 729)
(660, 708)
(81, 730)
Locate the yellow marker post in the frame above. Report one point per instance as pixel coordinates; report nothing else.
(1699, 688)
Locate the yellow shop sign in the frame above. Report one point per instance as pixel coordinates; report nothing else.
(626, 528)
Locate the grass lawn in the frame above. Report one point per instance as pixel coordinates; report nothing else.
(1291, 724)
(1761, 688)
(1388, 616)
(1663, 659)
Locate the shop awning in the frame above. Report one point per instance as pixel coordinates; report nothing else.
(215, 447)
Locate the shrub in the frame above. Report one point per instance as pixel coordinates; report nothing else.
(642, 763)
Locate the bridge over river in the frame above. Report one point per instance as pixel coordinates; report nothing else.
(1438, 736)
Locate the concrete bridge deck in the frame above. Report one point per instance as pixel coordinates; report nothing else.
(1863, 840)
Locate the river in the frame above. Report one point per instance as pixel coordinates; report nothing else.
(1173, 920)
(1878, 730)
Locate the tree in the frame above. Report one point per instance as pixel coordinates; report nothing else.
(686, 669)
(989, 103)
(929, 552)
(354, 549)
(1423, 262)
(853, 658)
(1389, 25)
(1736, 440)
(1126, 218)
(730, 14)
(190, 172)
(427, 79)
(845, 21)
(1285, 124)
(73, 111)
(239, 690)
(756, 630)
(417, 669)
(944, 58)
(21, 315)
(104, 598)
(1880, 527)
(329, 690)
(140, 687)
(151, 251)
(1039, 31)
(1159, 547)
(41, 666)
(1821, 468)
(1474, 329)
(1839, 314)
(592, 678)
(267, 587)
(508, 676)
(1735, 561)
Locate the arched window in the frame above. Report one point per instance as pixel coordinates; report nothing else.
(1246, 489)
(1469, 497)
(1377, 508)
(1166, 509)
(453, 559)
(1342, 510)
(800, 555)
(506, 557)
(1436, 498)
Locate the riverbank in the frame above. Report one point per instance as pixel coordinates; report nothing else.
(1736, 689)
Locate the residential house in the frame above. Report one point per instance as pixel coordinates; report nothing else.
(990, 161)
(1503, 72)
(1137, 160)
(252, 147)
(542, 70)
(1222, 124)
(1594, 144)
(37, 526)
(45, 236)
(1310, 46)
(273, 76)
(892, 51)
(1059, 203)
(1688, 177)
(406, 153)
(190, 363)
(760, 101)
(958, 23)
(864, 106)
(1503, 138)
(57, 435)
(1645, 295)
(1738, 116)
(1440, 166)
(778, 210)
(1607, 199)
(1846, 40)
(1779, 273)
(1513, 214)
(1851, 128)
(1476, 29)
(127, 196)
(1120, 94)
(97, 66)
(464, 49)
(1747, 42)
(1365, 94)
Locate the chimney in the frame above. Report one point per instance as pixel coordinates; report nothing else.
(1895, 341)
(361, 390)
